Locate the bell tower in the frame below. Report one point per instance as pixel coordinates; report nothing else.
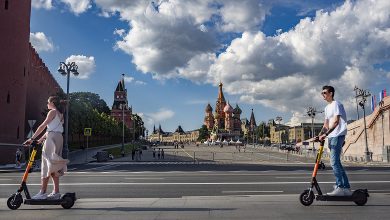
(120, 109)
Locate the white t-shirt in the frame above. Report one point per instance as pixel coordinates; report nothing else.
(331, 110)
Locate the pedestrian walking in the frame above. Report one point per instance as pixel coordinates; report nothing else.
(132, 154)
(158, 153)
(162, 154)
(154, 153)
(18, 158)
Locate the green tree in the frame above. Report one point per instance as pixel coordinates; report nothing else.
(138, 126)
(259, 131)
(91, 99)
(203, 133)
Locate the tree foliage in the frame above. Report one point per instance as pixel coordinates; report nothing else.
(87, 110)
(91, 99)
(203, 133)
(259, 130)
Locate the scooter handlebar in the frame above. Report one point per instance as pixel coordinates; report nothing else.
(33, 143)
(317, 139)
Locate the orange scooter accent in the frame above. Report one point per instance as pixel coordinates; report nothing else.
(29, 165)
(318, 160)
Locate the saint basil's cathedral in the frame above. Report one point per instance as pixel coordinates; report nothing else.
(225, 123)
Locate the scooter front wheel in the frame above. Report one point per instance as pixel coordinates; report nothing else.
(68, 202)
(307, 197)
(14, 201)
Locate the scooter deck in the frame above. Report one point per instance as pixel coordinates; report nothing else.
(334, 198)
(355, 196)
(50, 201)
(43, 202)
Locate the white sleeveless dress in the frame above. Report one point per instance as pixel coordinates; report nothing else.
(52, 161)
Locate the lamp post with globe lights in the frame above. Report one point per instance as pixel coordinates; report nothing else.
(67, 69)
(362, 96)
(279, 119)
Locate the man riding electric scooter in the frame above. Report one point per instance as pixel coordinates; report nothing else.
(335, 128)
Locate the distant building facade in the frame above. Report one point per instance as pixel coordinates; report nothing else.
(179, 136)
(294, 133)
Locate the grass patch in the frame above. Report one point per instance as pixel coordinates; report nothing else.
(116, 151)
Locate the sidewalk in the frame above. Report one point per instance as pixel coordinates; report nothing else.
(86, 155)
(75, 157)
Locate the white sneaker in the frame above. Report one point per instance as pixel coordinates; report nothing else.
(336, 192)
(54, 196)
(39, 196)
(347, 192)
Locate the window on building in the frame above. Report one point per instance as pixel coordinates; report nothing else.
(8, 98)
(6, 5)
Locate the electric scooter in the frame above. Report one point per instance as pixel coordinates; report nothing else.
(359, 196)
(15, 200)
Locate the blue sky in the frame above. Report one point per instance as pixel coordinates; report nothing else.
(272, 56)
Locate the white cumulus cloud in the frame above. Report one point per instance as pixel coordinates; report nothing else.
(41, 42)
(129, 79)
(45, 4)
(161, 115)
(340, 45)
(86, 65)
(78, 6)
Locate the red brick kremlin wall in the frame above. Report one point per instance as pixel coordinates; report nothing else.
(25, 81)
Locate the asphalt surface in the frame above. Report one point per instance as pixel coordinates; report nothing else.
(200, 183)
(120, 190)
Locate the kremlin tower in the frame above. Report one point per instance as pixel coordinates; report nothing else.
(120, 101)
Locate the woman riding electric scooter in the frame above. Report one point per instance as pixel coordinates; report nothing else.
(53, 165)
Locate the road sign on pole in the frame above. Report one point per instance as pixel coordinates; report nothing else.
(31, 124)
(87, 132)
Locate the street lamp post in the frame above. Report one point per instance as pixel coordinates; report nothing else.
(357, 104)
(123, 107)
(67, 69)
(133, 118)
(279, 119)
(253, 136)
(263, 134)
(311, 112)
(362, 95)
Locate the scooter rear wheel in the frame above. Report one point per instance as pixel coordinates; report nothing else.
(14, 201)
(360, 198)
(307, 197)
(68, 202)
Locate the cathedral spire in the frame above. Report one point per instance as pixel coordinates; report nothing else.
(252, 121)
(220, 93)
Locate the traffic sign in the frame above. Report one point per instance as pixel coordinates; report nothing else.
(87, 131)
(31, 123)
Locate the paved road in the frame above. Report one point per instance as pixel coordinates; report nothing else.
(208, 191)
(263, 185)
